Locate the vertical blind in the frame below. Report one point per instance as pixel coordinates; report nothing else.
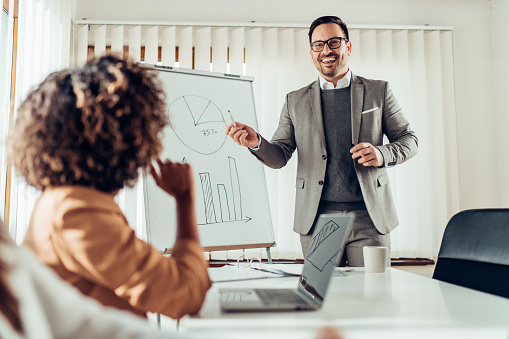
(418, 63)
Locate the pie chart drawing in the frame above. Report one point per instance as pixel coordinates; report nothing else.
(198, 123)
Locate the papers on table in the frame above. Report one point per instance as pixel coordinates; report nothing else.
(250, 271)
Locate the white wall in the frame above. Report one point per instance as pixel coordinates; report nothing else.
(481, 71)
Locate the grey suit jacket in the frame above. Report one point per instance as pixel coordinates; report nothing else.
(375, 112)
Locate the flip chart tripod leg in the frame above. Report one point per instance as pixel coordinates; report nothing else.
(269, 257)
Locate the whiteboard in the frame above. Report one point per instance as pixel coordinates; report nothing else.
(232, 208)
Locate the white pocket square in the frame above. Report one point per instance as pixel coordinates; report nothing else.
(370, 110)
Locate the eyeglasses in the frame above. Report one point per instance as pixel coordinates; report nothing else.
(333, 43)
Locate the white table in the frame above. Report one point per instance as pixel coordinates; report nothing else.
(395, 304)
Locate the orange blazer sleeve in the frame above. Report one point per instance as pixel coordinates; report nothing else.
(99, 245)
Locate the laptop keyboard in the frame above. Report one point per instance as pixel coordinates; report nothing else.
(279, 297)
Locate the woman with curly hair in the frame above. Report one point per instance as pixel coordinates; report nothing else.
(80, 137)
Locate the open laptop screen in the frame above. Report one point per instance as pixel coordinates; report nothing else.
(325, 246)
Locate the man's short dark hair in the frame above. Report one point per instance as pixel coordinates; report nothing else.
(329, 19)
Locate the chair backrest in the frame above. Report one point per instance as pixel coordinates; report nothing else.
(475, 251)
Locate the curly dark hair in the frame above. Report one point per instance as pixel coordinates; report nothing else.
(93, 126)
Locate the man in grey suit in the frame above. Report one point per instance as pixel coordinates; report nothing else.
(337, 124)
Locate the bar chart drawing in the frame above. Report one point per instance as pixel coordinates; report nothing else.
(228, 208)
(223, 202)
(210, 213)
(235, 184)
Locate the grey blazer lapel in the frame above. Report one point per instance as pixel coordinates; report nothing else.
(316, 106)
(357, 97)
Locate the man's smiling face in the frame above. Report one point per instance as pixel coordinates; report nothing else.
(331, 63)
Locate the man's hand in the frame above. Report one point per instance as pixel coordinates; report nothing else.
(243, 135)
(369, 155)
(174, 178)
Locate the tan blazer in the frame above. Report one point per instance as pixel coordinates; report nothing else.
(375, 112)
(82, 234)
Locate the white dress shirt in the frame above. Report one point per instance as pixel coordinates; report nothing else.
(342, 83)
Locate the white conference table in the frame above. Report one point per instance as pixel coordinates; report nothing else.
(394, 304)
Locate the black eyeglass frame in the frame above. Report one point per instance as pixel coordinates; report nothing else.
(327, 42)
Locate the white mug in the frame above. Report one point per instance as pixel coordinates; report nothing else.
(375, 258)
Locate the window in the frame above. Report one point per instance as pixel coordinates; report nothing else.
(8, 42)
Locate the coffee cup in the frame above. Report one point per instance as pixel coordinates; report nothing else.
(375, 258)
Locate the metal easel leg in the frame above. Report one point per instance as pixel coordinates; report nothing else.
(269, 257)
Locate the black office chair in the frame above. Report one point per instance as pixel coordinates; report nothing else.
(475, 251)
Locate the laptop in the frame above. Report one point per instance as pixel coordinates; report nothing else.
(324, 250)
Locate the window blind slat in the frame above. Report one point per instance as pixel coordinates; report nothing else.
(451, 136)
(63, 34)
(269, 116)
(202, 48)
(285, 176)
(435, 127)
(134, 38)
(100, 40)
(48, 38)
(38, 31)
(82, 45)
(368, 53)
(151, 45)
(168, 47)
(384, 55)
(354, 60)
(26, 72)
(307, 70)
(117, 39)
(236, 48)
(185, 44)
(219, 49)
(254, 63)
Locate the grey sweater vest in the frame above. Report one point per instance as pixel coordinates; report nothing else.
(341, 187)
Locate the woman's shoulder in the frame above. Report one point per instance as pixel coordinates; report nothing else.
(74, 207)
(76, 199)
(78, 194)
